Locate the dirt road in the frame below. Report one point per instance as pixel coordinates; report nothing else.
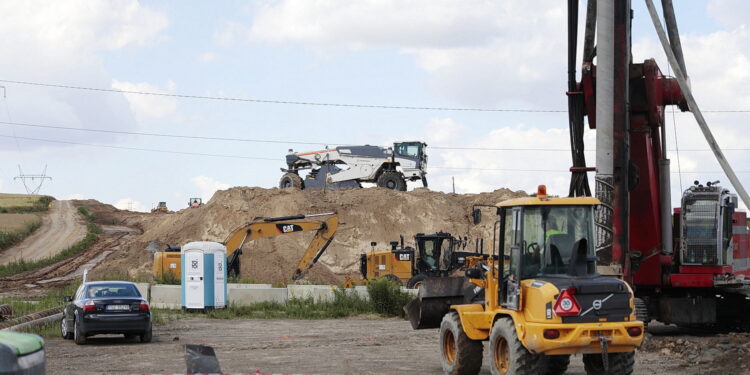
(344, 346)
(61, 228)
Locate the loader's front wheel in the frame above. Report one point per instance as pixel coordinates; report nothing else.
(619, 363)
(392, 180)
(291, 181)
(553, 364)
(460, 355)
(507, 354)
(416, 281)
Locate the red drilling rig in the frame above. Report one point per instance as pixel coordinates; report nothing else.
(690, 265)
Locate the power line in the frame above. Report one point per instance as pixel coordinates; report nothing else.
(300, 142)
(312, 103)
(292, 102)
(279, 159)
(142, 149)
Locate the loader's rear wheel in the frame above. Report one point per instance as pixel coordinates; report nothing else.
(291, 181)
(416, 281)
(394, 279)
(392, 180)
(619, 363)
(460, 355)
(507, 354)
(553, 364)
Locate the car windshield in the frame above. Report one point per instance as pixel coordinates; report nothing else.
(550, 235)
(111, 290)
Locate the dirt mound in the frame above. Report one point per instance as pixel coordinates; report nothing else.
(366, 215)
(707, 354)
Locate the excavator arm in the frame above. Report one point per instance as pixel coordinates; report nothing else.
(271, 227)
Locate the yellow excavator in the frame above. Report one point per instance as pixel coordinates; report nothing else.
(546, 304)
(167, 262)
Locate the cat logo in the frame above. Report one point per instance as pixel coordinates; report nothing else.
(288, 228)
(404, 257)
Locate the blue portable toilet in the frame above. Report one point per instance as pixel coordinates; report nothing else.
(204, 275)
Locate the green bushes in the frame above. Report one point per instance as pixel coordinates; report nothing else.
(387, 298)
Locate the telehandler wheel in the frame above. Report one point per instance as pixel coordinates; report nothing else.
(291, 181)
(619, 363)
(553, 364)
(507, 354)
(392, 180)
(416, 281)
(460, 355)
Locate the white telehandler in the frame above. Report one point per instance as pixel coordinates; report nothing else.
(346, 167)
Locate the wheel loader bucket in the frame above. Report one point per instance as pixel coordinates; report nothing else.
(434, 299)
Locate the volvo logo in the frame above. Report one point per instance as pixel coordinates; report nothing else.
(597, 304)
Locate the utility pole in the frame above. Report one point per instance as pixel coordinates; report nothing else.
(29, 180)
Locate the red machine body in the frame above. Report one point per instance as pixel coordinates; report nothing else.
(676, 286)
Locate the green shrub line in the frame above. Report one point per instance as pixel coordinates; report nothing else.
(8, 239)
(92, 235)
(41, 205)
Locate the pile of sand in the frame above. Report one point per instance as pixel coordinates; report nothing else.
(366, 215)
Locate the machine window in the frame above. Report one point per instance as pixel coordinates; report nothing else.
(407, 149)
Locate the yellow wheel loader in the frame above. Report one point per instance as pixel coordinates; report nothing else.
(542, 305)
(168, 262)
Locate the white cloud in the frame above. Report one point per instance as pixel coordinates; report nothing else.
(479, 53)
(443, 130)
(76, 196)
(208, 186)
(147, 107)
(131, 204)
(208, 57)
(62, 42)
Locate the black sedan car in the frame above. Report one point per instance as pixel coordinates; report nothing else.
(106, 307)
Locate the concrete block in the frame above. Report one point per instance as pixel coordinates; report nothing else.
(166, 296)
(319, 293)
(247, 296)
(248, 286)
(362, 291)
(143, 288)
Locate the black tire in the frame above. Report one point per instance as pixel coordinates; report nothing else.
(147, 336)
(416, 281)
(553, 364)
(459, 354)
(130, 336)
(64, 332)
(394, 278)
(392, 180)
(507, 354)
(291, 181)
(619, 363)
(79, 337)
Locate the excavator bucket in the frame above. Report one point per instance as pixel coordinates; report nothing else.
(434, 299)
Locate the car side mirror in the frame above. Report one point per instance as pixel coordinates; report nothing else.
(476, 215)
(68, 299)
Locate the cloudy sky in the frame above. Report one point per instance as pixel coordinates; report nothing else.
(445, 53)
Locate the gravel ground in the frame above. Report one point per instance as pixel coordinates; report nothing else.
(344, 346)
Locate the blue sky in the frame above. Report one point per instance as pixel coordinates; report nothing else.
(416, 53)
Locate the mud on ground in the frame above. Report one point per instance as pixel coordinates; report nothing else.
(343, 346)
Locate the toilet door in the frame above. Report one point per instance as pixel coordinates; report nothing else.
(194, 297)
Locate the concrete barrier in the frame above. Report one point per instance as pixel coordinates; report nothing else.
(143, 288)
(248, 286)
(319, 293)
(248, 296)
(166, 296)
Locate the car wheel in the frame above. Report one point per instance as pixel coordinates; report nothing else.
(130, 336)
(78, 336)
(146, 336)
(67, 335)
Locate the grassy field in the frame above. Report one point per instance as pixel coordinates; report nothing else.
(10, 203)
(17, 222)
